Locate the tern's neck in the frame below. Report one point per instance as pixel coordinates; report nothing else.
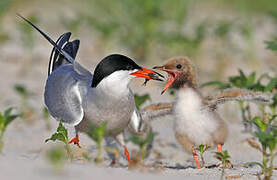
(116, 84)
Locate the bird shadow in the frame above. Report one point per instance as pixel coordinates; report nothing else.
(179, 167)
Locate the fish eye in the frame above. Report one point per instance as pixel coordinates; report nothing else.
(179, 66)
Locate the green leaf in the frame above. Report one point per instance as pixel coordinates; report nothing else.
(251, 79)
(60, 134)
(10, 118)
(201, 148)
(241, 80)
(272, 118)
(97, 132)
(57, 136)
(2, 123)
(267, 139)
(45, 113)
(237, 81)
(62, 130)
(137, 140)
(6, 118)
(140, 99)
(223, 29)
(150, 137)
(272, 45)
(8, 111)
(224, 155)
(242, 75)
(274, 104)
(219, 154)
(56, 156)
(271, 85)
(143, 142)
(260, 123)
(20, 89)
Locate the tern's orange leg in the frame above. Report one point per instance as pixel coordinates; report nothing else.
(75, 141)
(127, 153)
(195, 157)
(219, 148)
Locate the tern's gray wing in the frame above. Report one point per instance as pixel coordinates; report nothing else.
(64, 92)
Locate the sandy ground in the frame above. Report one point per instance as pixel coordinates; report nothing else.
(24, 151)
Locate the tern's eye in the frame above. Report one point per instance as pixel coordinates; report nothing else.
(179, 66)
(129, 67)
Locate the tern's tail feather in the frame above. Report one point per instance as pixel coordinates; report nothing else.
(56, 58)
(68, 57)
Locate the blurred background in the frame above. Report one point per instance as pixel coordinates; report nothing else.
(219, 36)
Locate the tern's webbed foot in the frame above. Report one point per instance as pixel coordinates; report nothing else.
(75, 141)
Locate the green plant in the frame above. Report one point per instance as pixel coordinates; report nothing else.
(61, 135)
(271, 45)
(140, 99)
(23, 93)
(202, 149)
(224, 157)
(142, 26)
(56, 156)
(86, 156)
(142, 143)
(223, 29)
(26, 110)
(5, 119)
(46, 117)
(249, 82)
(267, 137)
(97, 133)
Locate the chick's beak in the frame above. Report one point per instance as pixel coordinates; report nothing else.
(171, 76)
(148, 74)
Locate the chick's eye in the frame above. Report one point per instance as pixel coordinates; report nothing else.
(179, 66)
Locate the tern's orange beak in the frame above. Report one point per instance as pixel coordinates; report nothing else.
(148, 74)
(171, 77)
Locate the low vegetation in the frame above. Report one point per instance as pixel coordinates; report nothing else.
(62, 136)
(5, 119)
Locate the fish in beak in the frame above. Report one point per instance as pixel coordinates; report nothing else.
(148, 74)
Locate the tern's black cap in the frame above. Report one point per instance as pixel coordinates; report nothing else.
(110, 64)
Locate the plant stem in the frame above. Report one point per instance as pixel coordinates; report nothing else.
(269, 170)
(222, 173)
(98, 158)
(69, 152)
(143, 152)
(245, 119)
(202, 159)
(1, 141)
(265, 161)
